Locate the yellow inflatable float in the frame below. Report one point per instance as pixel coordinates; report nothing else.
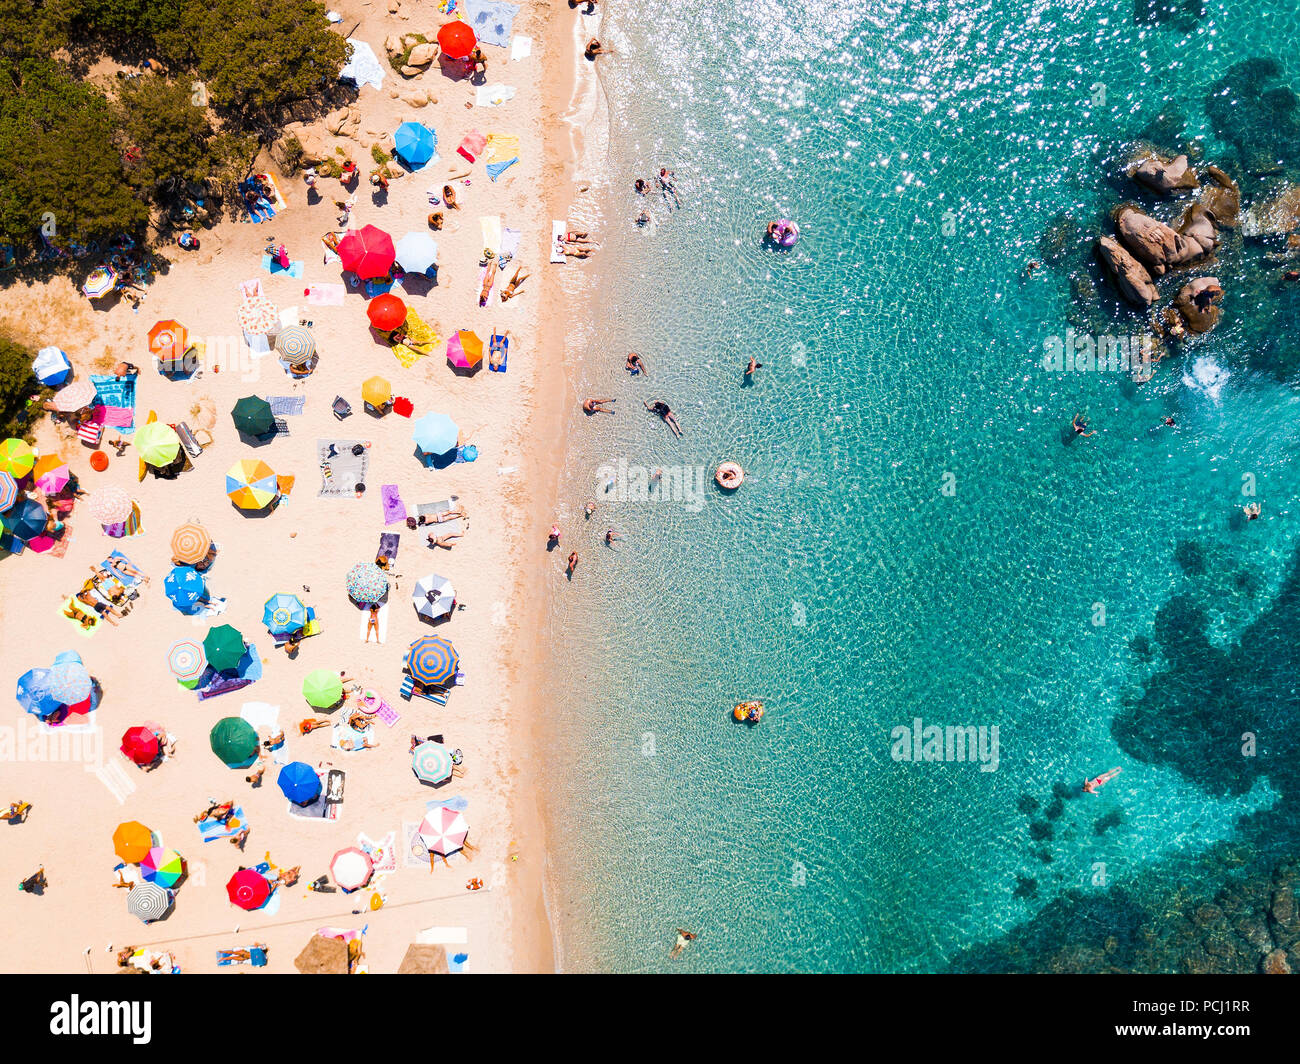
(748, 712)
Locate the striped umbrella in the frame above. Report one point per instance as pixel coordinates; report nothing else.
(322, 688)
(102, 280)
(234, 741)
(432, 660)
(132, 841)
(465, 350)
(435, 433)
(283, 613)
(149, 901)
(258, 315)
(68, 683)
(251, 484)
(109, 505)
(74, 396)
(367, 252)
(157, 444)
(295, 345)
(52, 474)
(190, 544)
(431, 762)
(247, 889)
(433, 597)
(444, 830)
(299, 783)
(186, 659)
(224, 647)
(162, 866)
(168, 340)
(16, 458)
(185, 587)
(351, 868)
(8, 491)
(366, 582)
(141, 746)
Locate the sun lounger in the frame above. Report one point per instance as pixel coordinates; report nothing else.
(409, 692)
(342, 408)
(257, 956)
(192, 444)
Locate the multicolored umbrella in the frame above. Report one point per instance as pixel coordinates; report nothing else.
(109, 505)
(149, 901)
(258, 316)
(295, 345)
(247, 889)
(465, 350)
(68, 683)
(435, 433)
(352, 868)
(416, 251)
(366, 582)
(431, 762)
(299, 783)
(102, 280)
(186, 659)
(252, 416)
(157, 444)
(456, 39)
(140, 745)
(190, 544)
(132, 842)
(322, 688)
(234, 741)
(162, 866)
(433, 597)
(414, 144)
(367, 252)
(16, 458)
(376, 391)
(185, 587)
(25, 519)
(251, 484)
(8, 491)
(283, 613)
(432, 660)
(74, 396)
(223, 647)
(52, 474)
(386, 312)
(444, 830)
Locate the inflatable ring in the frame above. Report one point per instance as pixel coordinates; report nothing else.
(729, 476)
(786, 234)
(743, 710)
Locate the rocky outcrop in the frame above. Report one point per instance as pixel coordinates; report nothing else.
(316, 146)
(1275, 216)
(1220, 194)
(422, 55)
(1129, 275)
(1197, 302)
(393, 45)
(1161, 248)
(1275, 963)
(1200, 227)
(1165, 175)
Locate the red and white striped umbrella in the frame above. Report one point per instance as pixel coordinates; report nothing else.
(444, 830)
(351, 868)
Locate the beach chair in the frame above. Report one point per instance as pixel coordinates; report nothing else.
(408, 692)
(194, 446)
(89, 433)
(342, 408)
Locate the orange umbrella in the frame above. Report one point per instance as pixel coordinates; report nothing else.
(168, 340)
(132, 841)
(465, 350)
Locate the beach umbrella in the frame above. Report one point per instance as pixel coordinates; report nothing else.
(109, 505)
(74, 396)
(252, 416)
(416, 251)
(16, 458)
(186, 659)
(432, 660)
(24, 520)
(366, 582)
(51, 366)
(247, 889)
(168, 341)
(435, 433)
(465, 350)
(190, 544)
(258, 316)
(386, 312)
(443, 830)
(456, 40)
(234, 741)
(33, 693)
(68, 683)
(102, 280)
(132, 842)
(299, 783)
(431, 762)
(157, 444)
(351, 868)
(224, 647)
(433, 596)
(295, 345)
(8, 491)
(414, 144)
(251, 484)
(322, 688)
(51, 474)
(141, 746)
(162, 866)
(367, 252)
(376, 391)
(149, 901)
(185, 587)
(283, 613)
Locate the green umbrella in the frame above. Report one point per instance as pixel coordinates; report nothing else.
(234, 741)
(157, 444)
(224, 647)
(322, 688)
(253, 416)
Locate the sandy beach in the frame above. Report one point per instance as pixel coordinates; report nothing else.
(81, 787)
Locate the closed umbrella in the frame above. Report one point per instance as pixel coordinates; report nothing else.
(295, 345)
(251, 484)
(414, 144)
(25, 520)
(109, 505)
(322, 688)
(465, 350)
(299, 783)
(132, 842)
(252, 416)
(52, 474)
(367, 252)
(416, 251)
(224, 647)
(431, 762)
(148, 901)
(444, 830)
(283, 613)
(386, 312)
(186, 659)
(16, 458)
(190, 544)
(185, 587)
(435, 433)
(141, 746)
(162, 866)
(376, 391)
(8, 491)
(432, 660)
(247, 889)
(456, 40)
(234, 741)
(433, 597)
(157, 444)
(366, 583)
(352, 868)
(74, 396)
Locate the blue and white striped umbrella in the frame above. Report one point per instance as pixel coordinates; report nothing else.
(295, 345)
(185, 587)
(432, 660)
(283, 613)
(431, 762)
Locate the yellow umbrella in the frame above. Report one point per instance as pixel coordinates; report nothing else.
(157, 444)
(251, 484)
(376, 391)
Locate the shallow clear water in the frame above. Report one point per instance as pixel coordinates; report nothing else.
(919, 535)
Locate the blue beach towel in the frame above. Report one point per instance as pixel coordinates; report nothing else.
(210, 829)
(111, 390)
(495, 170)
(283, 405)
(491, 20)
(274, 268)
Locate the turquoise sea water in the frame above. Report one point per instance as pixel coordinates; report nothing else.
(920, 535)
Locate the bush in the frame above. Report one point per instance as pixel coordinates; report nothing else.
(399, 61)
(292, 155)
(379, 155)
(16, 383)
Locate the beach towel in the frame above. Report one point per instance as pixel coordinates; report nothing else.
(428, 509)
(557, 244)
(257, 957)
(472, 146)
(277, 201)
(118, 392)
(263, 716)
(394, 508)
(211, 608)
(282, 405)
(491, 21)
(116, 417)
(491, 225)
(493, 95)
(285, 481)
(363, 66)
(495, 170)
(73, 603)
(377, 287)
(326, 295)
(214, 829)
(389, 544)
(346, 738)
(520, 48)
(501, 146)
(274, 268)
(498, 353)
(383, 854)
(408, 692)
(509, 245)
(383, 623)
(387, 714)
(341, 470)
(421, 340)
(222, 685)
(415, 854)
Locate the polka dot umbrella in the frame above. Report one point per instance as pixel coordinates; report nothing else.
(258, 316)
(109, 505)
(295, 345)
(366, 583)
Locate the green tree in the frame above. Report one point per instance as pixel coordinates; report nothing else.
(166, 136)
(124, 20)
(16, 381)
(30, 28)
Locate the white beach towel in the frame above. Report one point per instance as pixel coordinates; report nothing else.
(288, 317)
(383, 623)
(557, 245)
(493, 95)
(442, 936)
(509, 243)
(520, 48)
(325, 295)
(260, 715)
(362, 66)
(491, 232)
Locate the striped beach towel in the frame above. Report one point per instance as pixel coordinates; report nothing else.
(282, 405)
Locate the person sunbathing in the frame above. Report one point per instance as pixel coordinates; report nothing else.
(597, 406)
(509, 291)
(106, 611)
(124, 566)
(240, 954)
(446, 541)
(449, 198)
(287, 879)
(449, 515)
(84, 619)
(489, 277)
(595, 48)
(238, 839)
(306, 727)
(579, 252)
(435, 221)
(331, 241)
(218, 811)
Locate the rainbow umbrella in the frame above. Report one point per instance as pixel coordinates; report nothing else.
(224, 647)
(190, 544)
(322, 688)
(444, 830)
(140, 745)
(295, 345)
(109, 505)
(366, 582)
(162, 866)
(247, 889)
(8, 491)
(74, 396)
(376, 391)
(186, 659)
(465, 350)
(132, 842)
(234, 741)
(432, 660)
(185, 587)
(283, 613)
(102, 280)
(351, 868)
(157, 444)
(251, 484)
(149, 901)
(52, 474)
(367, 252)
(435, 433)
(16, 458)
(414, 144)
(431, 762)
(299, 783)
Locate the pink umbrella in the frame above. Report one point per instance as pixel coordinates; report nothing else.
(351, 868)
(54, 480)
(40, 544)
(444, 830)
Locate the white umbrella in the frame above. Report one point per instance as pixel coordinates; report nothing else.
(416, 251)
(434, 597)
(351, 868)
(74, 396)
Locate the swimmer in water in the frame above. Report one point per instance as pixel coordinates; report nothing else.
(684, 938)
(1080, 425)
(1093, 785)
(661, 408)
(1251, 510)
(596, 406)
(1169, 421)
(573, 563)
(634, 364)
(753, 365)
(1031, 266)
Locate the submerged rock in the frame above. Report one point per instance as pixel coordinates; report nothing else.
(1275, 963)
(1127, 274)
(1197, 303)
(1276, 216)
(1164, 175)
(1220, 195)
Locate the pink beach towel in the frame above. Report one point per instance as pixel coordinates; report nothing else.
(119, 417)
(394, 508)
(325, 295)
(473, 144)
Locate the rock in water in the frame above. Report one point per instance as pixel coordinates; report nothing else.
(1165, 175)
(1275, 216)
(1128, 275)
(1221, 195)
(1159, 247)
(1199, 226)
(1197, 303)
(1275, 963)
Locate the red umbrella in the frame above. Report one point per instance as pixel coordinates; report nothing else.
(248, 889)
(456, 40)
(140, 745)
(367, 252)
(386, 312)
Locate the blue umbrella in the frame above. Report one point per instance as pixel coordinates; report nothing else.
(435, 434)
(26, 520)
(34, 695)
(416, 251)
(283, 613)
(185, 587)
(414, 144)
(68, 683)
(299, 783)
